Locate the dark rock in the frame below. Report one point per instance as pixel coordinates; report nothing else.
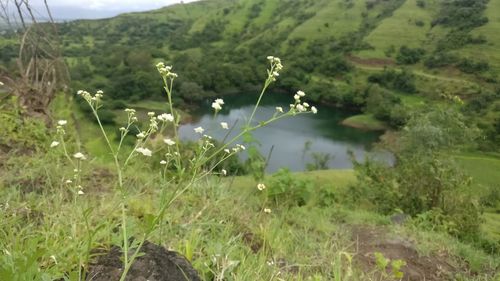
(399, 219)
(155, 264)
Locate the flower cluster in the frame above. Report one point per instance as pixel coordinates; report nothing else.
(144, 151)
(165, 70)
(300, 106)
(79, 156)
(217, 105)
(238, 148)
(276, 67)
(92, 100)
(166, 117)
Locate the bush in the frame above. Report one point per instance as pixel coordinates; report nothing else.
(440, 59)
(409, 56)
(424, 182)
(470, 66)
(285, 189)
(398, 80)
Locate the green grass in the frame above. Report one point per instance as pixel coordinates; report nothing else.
(400, 25)
(365, 122)
(411, 100)
(335, 180)
(332, 18)
(485, 169)
(489, 51)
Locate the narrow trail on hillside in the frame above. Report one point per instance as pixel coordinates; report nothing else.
(380, 64)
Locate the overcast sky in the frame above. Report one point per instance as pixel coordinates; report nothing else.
(73, 9)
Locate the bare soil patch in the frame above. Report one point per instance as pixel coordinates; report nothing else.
(370, 240)
(375, 62)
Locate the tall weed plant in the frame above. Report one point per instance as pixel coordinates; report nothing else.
(180, 169)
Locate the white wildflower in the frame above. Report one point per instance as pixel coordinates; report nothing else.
(62, 122)
(301, 93)
(166, 117)
(279, 109)
(141, 135)
(224, 172)
(144, 151)
(199, 130)
(224, 125)
(1, 83)
(305, 104)
(296, 97)
(261, 186)
(216, 106)
(314, 110)
(151, 114)
(80, 192)
(276, 74)
(271, 58)
(220, 101)
(54, 144)
(79, 156)
(123, 129)
(267, 211)
(300, 108)
(227, 151)
(69, 181)
(163, 162)
(169, 142)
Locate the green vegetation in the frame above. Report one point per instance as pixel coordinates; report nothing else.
(427, 70)
(217, 44)
(365, 122)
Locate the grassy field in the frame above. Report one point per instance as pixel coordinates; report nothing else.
(401, 25)
(484, 168)
(365, 122)
(485, 171)
(332, 19)
(489, 51)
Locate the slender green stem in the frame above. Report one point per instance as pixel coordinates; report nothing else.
(125, 238)
(266, 84)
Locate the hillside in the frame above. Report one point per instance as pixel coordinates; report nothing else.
(343, 52)
(98, 185)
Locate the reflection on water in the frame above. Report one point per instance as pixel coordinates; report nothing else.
(287, 137)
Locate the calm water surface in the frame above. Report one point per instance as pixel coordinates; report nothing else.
(288, 137)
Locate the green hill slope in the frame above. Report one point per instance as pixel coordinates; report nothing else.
(334, 49)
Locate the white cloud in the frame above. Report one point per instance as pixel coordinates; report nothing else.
(117, 5)
(91, 9)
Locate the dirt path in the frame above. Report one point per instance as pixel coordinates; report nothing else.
(380, 64)
(370, 240)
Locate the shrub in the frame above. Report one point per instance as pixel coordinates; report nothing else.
(398, 80)
(440, 59)
(470, 66)
(285, 189)
(424, 182)
(409, 56)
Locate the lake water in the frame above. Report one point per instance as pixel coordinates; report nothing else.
(288, 137)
